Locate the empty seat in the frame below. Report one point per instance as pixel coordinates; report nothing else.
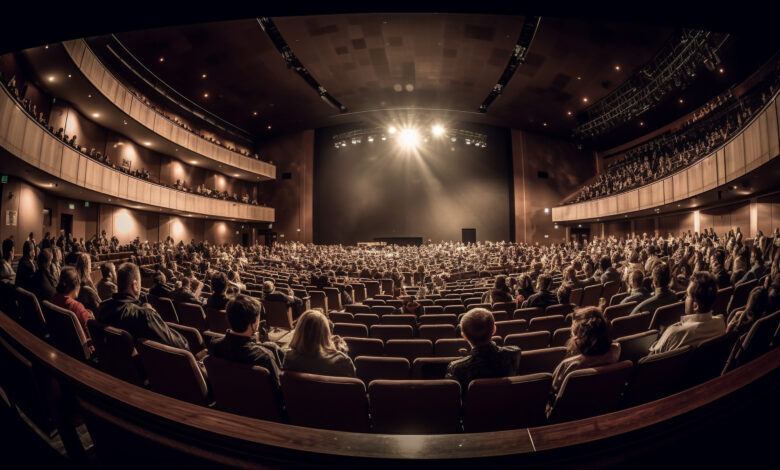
(541, 360)
(165, 308)
(617, 298)
(29, 311)
(383, 310)
(399, 319)
(243, 389)
(367, 319)
(559, 309)
(501, 315)
(333, 298)
(372, 289)
(65, 331)
(506, 403)
(116, 353)
(630, 324)
(620, 310)
(576, 296)
(636, 346)
(560, 337)
(359, 292)
(511, 327)
(507, 307)
(410, 349)
(527, 313)
(278, 314)
(590, 392)
(455, 309)
(388, 286)
(431, 368)
(432, 309)
(438, 319)
(386, 332)
(709, 357)
(528, 341)
(357, 308)
(319, 301)
(450, 347)
(446, 302)
(364, 346)
(173, 372)
(720, 307)
(610, 289)
(547, 323)
(657, 376)
(372, 368)
(217, 320)
(469, 301)
(192, 315)
(350, 329)
(756, 341)
(341, 402)
(666, 316)
(414, 406)
(591, 295)
(436, 332)
(341, 317)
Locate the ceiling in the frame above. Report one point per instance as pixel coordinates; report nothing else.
(390, 61)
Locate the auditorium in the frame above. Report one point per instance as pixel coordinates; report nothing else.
(521, 236)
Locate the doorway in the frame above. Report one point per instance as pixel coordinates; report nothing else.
(66, 223)
(580, 234)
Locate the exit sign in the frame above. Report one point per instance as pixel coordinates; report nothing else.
(86, 203)
(4, 179)
(72, 206)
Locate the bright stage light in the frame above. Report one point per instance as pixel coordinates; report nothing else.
(391, 129)
(409, 138)
(438, 130)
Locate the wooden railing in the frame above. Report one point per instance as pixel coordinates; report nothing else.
(757, 144)
(245, 442)
(102, 79)
(24, 137)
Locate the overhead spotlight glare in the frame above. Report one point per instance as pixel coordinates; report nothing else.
(579, 78)
(544, 124)
(568, 113)
(392, 129)
(453, 139)
(641, 123)
(584, 99)
(203, 76)
(194, 162)
(438, 130)
(46, 46)
(721, 70)
(681, 101)
(205, 95)
(546, 210)
(254, 113)
(409, 138)
(95, 115)
(617, 68)
(162, 59)
(468, 141)
(384, 138)
(68, 75)
(269, 127)
(370, 138)
(147, 144)
(51, 78)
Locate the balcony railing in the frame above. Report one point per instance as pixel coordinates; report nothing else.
(758, 143)
(127, 102)
(28, 140)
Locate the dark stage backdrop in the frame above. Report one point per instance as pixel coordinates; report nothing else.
(375, 190)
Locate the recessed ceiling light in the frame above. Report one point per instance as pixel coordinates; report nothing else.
(579, 78)
(68, 75)
(641, 123)
(721, 70)
(544, 124)
(46, 46)
(162, 59)
(95, 115)
(254, 113)
(681, 101)
(236, 174)
(617, 68)
(391, 129)
(51, 78)
(568, 113)
(584, 99)
(89, 96)
(147, 143)
(203, 76)
(194, 162)
(269, 127)
(125, 122)
(205, 95)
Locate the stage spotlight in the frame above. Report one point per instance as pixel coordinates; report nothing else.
(468, 141)
(454, 139)
(384, 137)
(409, 138)
(391, 129)
(438, 130)
(370, 138)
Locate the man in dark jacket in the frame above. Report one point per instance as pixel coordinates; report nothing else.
(218, 299)
(160, 289)
(608, 272)
(543, 296)
(26, 268)
(486, 359)
(271, 294)
(183, 295)
(6, 270)
(663, 295)
(638, 293)
(126, 312)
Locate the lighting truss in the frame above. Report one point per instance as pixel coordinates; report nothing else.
(380, 134)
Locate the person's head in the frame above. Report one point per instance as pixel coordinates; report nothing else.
(661, 276)
(543, 282)
(108, 271)
(219, 282)
(84, 267)
(702, 290)
(636, 278)
(590, 335)
(757, 302)
(268, 287)
(243, 313)
(159, 278)
(128, 279)
(312, 334)
(8, 249)
(587, 268)
(28, 250)
(569, 275)
(525, 282)
(477, 326)
(563, 293)
(185, 283)
(500, 283)
(605, 263)
(44, 259)
(69, 282)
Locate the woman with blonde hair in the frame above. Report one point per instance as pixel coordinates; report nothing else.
(87, 294)
(315, 350)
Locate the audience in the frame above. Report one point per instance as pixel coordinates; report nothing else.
(638, 293)
(67, 291)
(44, 282)
(315, 350)
(88, 293)
(25, 271)
(218, 299)
(106, 286)
(543, 296)
(6, 269)
(663, 295)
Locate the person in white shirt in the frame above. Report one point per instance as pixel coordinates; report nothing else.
(698, 323)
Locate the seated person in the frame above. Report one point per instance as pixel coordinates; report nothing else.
(67, 291)
(271, 294)
(218, 299)
(106, 286)
(314, 350)
(240, 343)
(126, 312)
(486, 359)
(500, 292)
(590, 345)
(608, 272)
(638, 293)
(742, 319)
(563, 294)
(25, 270)
(589, 272)
(160, 289)
(44, 281)
(543, 296)
(663, 295)
(183, 294)
(6, 270)
(698, 323)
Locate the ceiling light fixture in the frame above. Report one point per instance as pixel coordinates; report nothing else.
(438, 130)
(584, 99)
(203, 76)
(617, 68)
(51, 78)
(409, 138)
(147, 143)
(162, 59)
(95, 115)
(205, 95)
(392, 129)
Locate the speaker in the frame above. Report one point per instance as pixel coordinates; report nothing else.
(468, 235)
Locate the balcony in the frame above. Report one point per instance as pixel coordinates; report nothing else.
(754, 146)
(26, 139)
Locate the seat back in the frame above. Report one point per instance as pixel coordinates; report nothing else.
(506, 403)
(341, 402)
(559, 309)
(243, 389)
(758, 339)
(610, 289)
(636, 346)
(410, 349)
(527, 313)
(547, 323)
(510, 327)
(507, 307)
(560, 337)
(65, 331)
(414, 406)
(431, 368)
(657, 376)
(666, 316)
(30, 313)
(364, 346)
(372, 289)
(386, 332)
(432, 309)
(720, 307)
(740, 296)
(217, 320)
(333, 296)
(450, 347)
(318, 300)
(195, 342)
(454, 309)
(357, 308)
(437, 332)
(390, 368)
(192, 315)
(358, 292)
(350, 329)
(438, 319)
(590, 392)
(709, 358)
(591, 295)
(367, 319)
(341, 317)
(165, 308)
(388, 286)
(617, 298)
(630, 324)
(540, 360)
(620, 310)
(278, 314)
(576, 296)
(399, 319)
(383, 310)
(116, 353)
(173, 372)
(528, 341)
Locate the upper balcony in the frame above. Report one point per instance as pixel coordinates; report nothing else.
(31, 143)
(755, 145)
(92, 88)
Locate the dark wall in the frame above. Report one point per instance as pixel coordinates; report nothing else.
(373, 190)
